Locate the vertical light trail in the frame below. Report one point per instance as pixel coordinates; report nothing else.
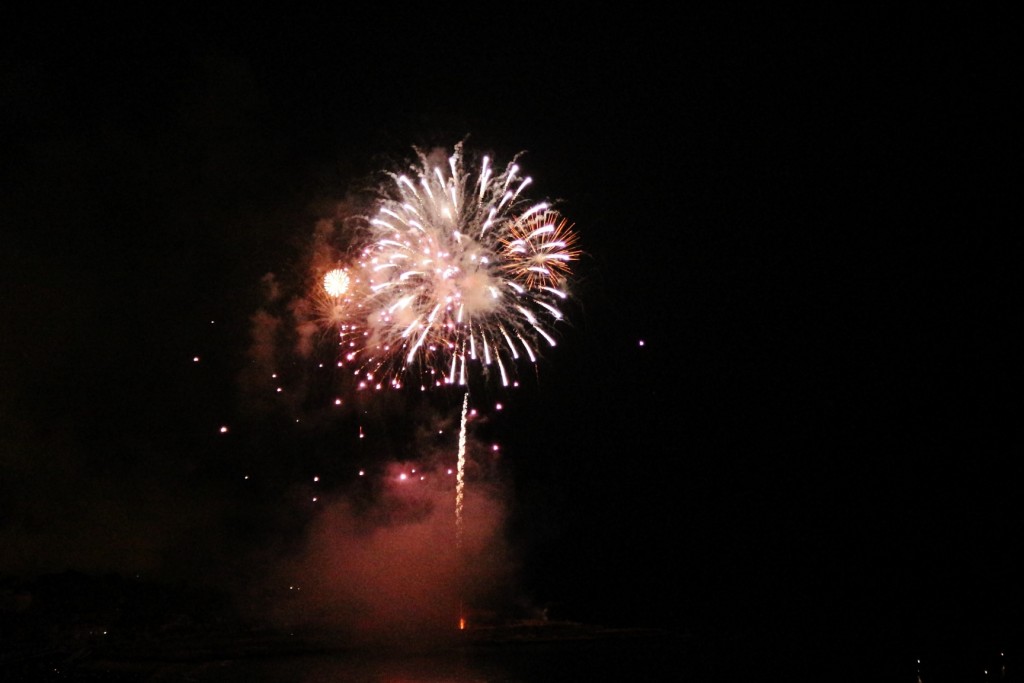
(460, 476)
(460, 484)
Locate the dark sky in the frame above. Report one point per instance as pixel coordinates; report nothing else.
(802, 217)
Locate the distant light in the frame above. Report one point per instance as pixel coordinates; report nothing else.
(279, 390)
(224, 430)
(336, 282)
(402, 476)
(498, 406)
(362, 473)
(314, 499)
(316, 478)
(494, 447)
(337, 401)
(641, 342)
(245, 477)
(195, 359)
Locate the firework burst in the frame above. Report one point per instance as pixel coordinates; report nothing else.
(461, 271)
(457, 273)
(338, 308)
(336, 283)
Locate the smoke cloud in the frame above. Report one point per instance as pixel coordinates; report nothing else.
(381, 563)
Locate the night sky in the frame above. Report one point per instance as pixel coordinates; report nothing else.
(785, 405)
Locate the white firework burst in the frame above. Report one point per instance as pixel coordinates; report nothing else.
(461, 270)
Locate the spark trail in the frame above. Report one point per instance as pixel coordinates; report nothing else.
(460, 477)
(460, 486)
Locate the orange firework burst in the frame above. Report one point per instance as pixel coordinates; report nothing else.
(538, 250)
